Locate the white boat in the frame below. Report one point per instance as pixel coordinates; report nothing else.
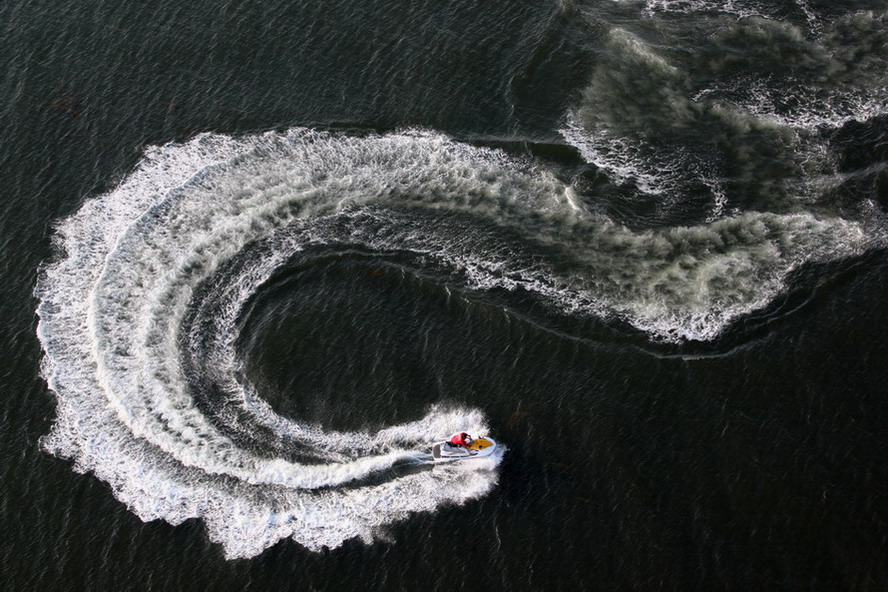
(481, 446)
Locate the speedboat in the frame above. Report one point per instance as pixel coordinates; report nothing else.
(481, 446)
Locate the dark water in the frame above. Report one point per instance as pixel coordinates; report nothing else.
(258, 256)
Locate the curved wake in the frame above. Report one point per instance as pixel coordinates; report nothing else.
(140, 315)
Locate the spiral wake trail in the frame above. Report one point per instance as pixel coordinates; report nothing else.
(141, 313)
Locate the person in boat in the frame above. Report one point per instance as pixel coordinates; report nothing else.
(463, 439)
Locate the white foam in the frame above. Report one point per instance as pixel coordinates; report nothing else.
(629, 119)
(627, 160)
(815, 109)
(601, 126)
(131, 261)
(738, 8)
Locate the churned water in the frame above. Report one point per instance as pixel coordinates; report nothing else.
(258, 257)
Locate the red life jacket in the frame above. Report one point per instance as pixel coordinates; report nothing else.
(458, 439)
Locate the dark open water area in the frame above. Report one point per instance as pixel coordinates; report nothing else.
(257, 257)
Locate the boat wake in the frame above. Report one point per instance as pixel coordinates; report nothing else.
(746, 116)
(141, 312)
